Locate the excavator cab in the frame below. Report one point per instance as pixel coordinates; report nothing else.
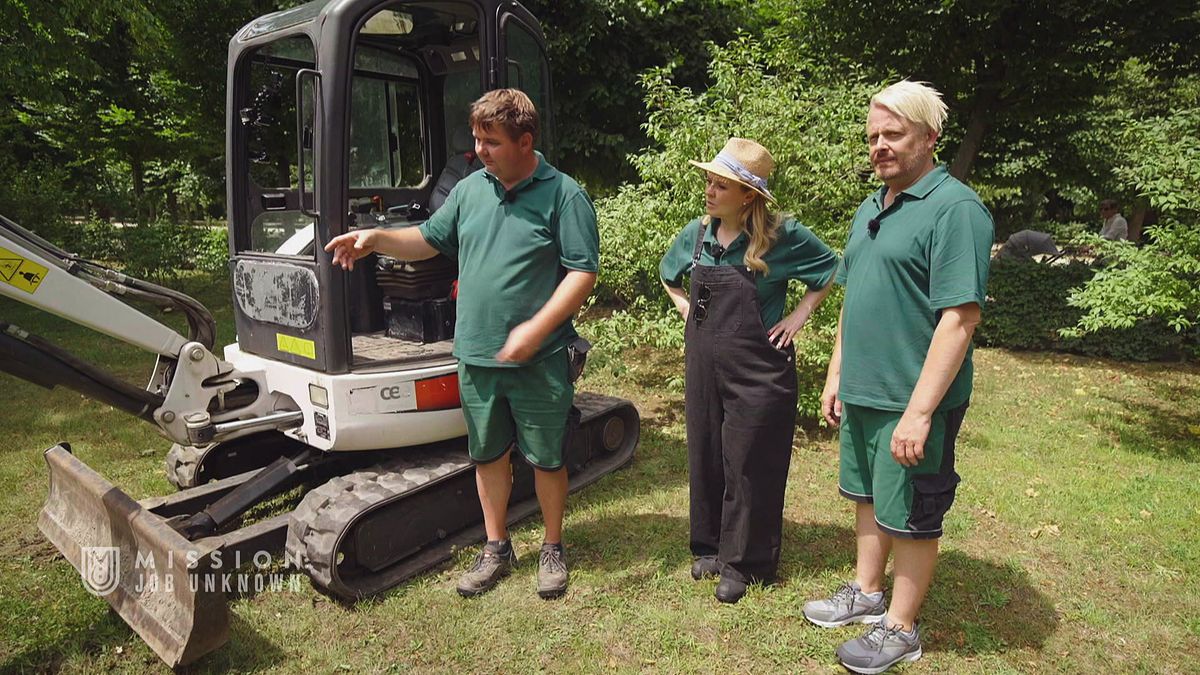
(341, 387)
(349, 114)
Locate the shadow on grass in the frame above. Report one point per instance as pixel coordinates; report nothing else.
(1158, 424)
(246, 652)
(621, 542)
(1161, 427)
(978, 606)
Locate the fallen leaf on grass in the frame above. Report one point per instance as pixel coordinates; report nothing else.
(1080, 391)
(1144, 513)
(1194, 429)
(1030, 492)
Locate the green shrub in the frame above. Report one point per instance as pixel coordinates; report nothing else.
(161, 250)
(1028, 308)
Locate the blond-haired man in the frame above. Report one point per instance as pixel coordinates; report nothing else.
(525, 238)
(899, 381)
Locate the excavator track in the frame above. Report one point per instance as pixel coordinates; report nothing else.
(367, 531)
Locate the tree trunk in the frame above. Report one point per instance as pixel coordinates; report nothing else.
(987, 97)
(139, 187)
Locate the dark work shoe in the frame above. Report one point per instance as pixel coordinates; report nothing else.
(880, 648)
(552, 572)
(729, 590)
(847, 605)
(705, 566)
(490, 566)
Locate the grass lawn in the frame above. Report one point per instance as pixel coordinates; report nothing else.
(1071, 547)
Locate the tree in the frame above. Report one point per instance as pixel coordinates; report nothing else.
(1010, 69)
(1159, 158)
(598, 48)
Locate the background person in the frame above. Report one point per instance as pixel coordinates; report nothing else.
(528, 250)
(740, 395)
(1115, 227)
(915, 271)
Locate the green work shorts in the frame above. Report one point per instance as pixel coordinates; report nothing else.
(528, 404)
(909, 502)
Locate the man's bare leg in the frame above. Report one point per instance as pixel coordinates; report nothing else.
(873, 548)
(494, 482)
(551, 489)
(916, 560)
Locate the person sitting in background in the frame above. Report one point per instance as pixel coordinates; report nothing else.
(1115, 227)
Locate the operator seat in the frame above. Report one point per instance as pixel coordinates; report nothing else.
(461, 163)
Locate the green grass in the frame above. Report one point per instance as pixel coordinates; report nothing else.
(1071, 546)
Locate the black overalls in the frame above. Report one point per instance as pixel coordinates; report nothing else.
(741, 408)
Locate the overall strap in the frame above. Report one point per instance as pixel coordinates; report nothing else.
(699, 243)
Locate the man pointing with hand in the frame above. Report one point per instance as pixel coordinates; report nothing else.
(525, 238)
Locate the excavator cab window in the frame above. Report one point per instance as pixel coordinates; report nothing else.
(268, 120)
(386, 139)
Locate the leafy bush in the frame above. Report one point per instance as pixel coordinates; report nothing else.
(813, 124)
(1161, 279)
(1028, 308)
(162, 250)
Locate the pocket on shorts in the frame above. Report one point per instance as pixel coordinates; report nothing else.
(933, 495)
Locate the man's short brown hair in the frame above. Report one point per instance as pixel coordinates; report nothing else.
(509, 109)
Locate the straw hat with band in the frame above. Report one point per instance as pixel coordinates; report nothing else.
(742, 161)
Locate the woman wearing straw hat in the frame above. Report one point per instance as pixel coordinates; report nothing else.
(740, 395)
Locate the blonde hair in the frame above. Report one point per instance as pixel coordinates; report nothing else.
(509, 109)
(916, 102)
(760, 224)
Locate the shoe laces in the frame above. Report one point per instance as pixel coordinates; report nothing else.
(845, 594)
(552, 559)
(877, 637)
(482, 556)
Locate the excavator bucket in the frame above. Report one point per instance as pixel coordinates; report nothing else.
(160, 583)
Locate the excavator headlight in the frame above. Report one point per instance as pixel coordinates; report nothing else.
(319, 396)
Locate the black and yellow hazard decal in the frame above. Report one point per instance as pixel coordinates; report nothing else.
(295, 345)
(20, 271)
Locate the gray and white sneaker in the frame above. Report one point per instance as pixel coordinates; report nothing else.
(552, 572)
(490, 566)
(847, 605)
(880, 648)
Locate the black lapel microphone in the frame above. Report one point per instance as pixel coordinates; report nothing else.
(873, 226)
(510, 196)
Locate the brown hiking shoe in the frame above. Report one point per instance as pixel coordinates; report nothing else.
(490, 566)
(552, 572)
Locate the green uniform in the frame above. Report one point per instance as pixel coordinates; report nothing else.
(929, 251)
(513, 248)
(796, 254)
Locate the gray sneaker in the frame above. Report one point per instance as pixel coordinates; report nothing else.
(847, 605)
(552, 572)
(880, 648)
(489, 567)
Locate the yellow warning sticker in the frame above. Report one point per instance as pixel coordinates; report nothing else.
(295, 345)
(21, 272)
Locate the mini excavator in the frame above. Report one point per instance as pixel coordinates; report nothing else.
(342, 386)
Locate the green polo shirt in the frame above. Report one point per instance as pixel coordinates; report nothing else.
(930, 252)
(512, 248)
(797, 254)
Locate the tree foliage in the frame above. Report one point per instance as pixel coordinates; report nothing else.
(1159, 159)
(811, 120)
(597, 51)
